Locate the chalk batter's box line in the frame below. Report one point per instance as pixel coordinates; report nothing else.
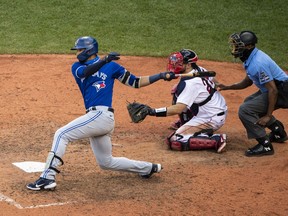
(19, 206)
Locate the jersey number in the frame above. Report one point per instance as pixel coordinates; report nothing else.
(209, 84)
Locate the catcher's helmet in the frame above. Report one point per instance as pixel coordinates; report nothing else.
(176, 60)
(90, 46)
(239, 41)
(189, 56)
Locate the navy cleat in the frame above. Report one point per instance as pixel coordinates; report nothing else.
(222, 144)
(42, 184)
(156, 168)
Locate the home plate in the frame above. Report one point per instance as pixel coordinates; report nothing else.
(30, 166)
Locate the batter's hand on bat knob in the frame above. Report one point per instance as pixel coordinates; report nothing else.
(167, 76)
(111, 56)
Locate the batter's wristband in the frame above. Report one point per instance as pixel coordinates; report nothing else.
(154, 78)
(161, 112)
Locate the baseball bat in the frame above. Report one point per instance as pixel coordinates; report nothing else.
(198, 74)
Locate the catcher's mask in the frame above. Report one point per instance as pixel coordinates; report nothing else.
(90, 46)
(177, 60)
(239, 41)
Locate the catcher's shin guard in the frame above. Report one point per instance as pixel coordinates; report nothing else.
(217, 142)
(199, 143)
(194, 143)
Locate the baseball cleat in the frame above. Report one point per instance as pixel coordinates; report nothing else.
(222, 144)
(278, 133)
(277, 138)
(260, 150)
(42, 184)
(156, 168)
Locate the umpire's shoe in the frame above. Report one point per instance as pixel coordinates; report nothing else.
(278, 133)
(277, 138)
(260, 149)
(156, 168)
(42, 184)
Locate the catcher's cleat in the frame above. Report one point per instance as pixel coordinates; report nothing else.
(42, 184)
(222, 143)
(156, 168)
(260, 150)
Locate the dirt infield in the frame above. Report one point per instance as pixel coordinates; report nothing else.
(39, 95)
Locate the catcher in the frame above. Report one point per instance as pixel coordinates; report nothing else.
(186, 116)
(198, 97)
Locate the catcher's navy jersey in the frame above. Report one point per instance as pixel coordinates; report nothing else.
(97, 89)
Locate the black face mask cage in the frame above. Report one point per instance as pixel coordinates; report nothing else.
(237, 46)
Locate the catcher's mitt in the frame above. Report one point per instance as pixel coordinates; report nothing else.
(137, 111)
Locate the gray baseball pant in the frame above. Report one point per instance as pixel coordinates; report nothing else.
(254, 107)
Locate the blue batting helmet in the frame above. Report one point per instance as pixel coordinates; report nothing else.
(90, 46)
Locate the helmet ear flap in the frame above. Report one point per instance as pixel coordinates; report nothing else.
(90, 46)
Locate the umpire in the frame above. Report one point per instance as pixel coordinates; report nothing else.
(256, 112)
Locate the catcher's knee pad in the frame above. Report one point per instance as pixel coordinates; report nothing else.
(175, 144)
(53, 161)
(180, 146)
(168, 139)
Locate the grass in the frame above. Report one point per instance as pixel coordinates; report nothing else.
(143, 27)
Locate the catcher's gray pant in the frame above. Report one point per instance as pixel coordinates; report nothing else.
(254, 107)
(97, 126)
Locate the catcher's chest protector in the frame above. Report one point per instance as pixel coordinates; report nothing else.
(189, 113)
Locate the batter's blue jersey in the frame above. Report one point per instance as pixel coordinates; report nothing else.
(97, 89)
(261, 69)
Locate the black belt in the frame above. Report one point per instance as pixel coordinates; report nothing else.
(221, 113)
(95, 108)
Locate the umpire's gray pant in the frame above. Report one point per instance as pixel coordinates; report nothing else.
(254, 107)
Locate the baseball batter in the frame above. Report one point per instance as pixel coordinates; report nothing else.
(256, 112)
(95, 78)
(201, 107)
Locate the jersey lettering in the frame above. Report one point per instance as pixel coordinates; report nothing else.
(101, 75)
